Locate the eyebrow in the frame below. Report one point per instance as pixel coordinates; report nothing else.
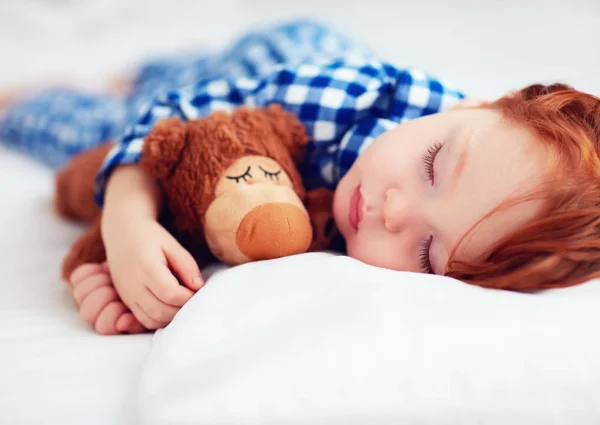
(455, 176)
(460, 163)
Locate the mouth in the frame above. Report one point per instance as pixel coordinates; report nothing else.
(355, 213)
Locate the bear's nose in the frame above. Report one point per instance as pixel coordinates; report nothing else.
(274, 230)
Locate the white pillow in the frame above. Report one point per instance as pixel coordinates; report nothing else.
(324, 339)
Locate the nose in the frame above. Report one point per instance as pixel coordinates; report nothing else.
(397, 211)
(274, 230)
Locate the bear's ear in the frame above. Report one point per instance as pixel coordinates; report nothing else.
(163, 147)
(288, 129)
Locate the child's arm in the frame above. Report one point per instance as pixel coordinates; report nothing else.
(337, 104)
(142, 256)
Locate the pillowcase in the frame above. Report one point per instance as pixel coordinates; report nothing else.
(320, 338)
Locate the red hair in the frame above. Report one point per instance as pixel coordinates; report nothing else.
(562, 246)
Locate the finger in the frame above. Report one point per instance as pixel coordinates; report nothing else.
(127, 323)
(106, 321)
(87, 286)
(156, 309)
(94, 303)
(105, 268)
(144, 319)
(184, 265)
(167, 289)
(84, 271)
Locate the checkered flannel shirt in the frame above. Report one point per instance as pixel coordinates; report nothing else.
(342, 93)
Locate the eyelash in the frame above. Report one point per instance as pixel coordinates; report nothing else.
(428, 161)
(272, 176)
(424, 260)
(429, 158)
(243, 176)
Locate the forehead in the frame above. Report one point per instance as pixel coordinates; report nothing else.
(507, 157)
(504, 163)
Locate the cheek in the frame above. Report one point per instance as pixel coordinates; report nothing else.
(341, 201)
(223, 217)
(380, 250)
(377, 247)
(388, 161)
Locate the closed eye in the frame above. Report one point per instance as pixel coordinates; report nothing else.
(269, 174)
(244, 176)
(424, 259)
(429, 160)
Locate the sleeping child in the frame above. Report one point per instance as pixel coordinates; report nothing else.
(500, 194)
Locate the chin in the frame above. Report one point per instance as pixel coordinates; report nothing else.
(351, 250)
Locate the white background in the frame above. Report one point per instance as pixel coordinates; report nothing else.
(483, 47)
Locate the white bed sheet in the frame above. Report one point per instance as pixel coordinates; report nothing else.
(53, 368)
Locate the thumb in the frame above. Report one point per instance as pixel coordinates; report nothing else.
(184, 265)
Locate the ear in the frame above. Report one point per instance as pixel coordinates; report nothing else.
(288, 129)
(163, 147)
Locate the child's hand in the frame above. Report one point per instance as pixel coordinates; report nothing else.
(99, 303)
(140, 259)
(143, 257)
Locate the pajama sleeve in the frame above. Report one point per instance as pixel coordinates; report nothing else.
(331, 99)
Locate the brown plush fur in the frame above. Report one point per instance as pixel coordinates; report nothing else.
(187, 159)
(74, 185)
(88, 248)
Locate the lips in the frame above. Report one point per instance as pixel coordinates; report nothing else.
(355, 214)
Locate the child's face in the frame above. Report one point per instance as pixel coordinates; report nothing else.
(392, 215)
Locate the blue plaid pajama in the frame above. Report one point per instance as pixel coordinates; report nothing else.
(339, 89)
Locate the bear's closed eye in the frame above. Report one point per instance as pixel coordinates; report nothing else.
(240, 177)
(269, 174)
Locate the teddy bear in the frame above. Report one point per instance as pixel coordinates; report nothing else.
(232, 189)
